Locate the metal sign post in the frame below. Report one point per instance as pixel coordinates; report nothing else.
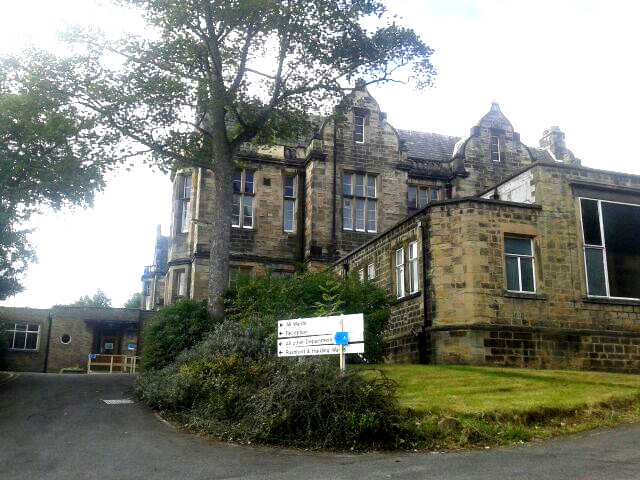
(343, 365)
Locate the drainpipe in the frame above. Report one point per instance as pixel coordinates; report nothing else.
(334, 245)
(425, 334)
(46, 350)
(302, 208)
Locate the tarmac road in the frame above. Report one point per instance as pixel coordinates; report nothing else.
(59, 427)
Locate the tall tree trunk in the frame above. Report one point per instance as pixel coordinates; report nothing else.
(220, 246)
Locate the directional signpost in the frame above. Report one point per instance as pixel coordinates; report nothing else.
(338, 334)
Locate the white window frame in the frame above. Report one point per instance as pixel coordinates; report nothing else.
(497, 144)
(519, 258)
(12, 332)
(354, 202)
(414, 278)
(289, 199)
(602, 247)
(358, 128)
(371, 271)
(361, 275)
(399, 258)
(186, 189)
(243, 196)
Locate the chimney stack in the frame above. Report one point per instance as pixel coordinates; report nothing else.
(553, 141)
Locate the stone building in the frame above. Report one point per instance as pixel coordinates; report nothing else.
(305, 204)
(541, 270)
(50, 340)
(445, 224)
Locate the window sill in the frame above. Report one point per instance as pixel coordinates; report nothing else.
(610, 301)
(406, 297)
(526, 296)
(22, 350)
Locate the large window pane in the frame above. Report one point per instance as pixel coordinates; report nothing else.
(358, 134)
(347, 219)
(288, 187)
(248, 182)
(235, 211)
(371, 216)
(590, 222)
(622, 240)
(32, 341)
(359, 186)
(517, 246)
(595, 272)
(359, 214)
(412, 197)
(247, 220)
(424, 197)
(347, 184)
(19, 340)
(237, 181)
(513, 282)
(526, 272)
(288, 215)
(371, 187)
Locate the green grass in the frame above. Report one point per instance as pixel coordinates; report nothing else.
(3, 376)
(481, 390)
(465, 407)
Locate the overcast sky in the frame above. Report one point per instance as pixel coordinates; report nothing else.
(570, 63)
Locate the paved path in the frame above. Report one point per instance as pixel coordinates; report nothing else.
(58, 427)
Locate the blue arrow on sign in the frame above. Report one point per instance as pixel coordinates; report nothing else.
(342, 338)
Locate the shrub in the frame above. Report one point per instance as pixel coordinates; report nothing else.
(261, 301)
(172, 330)
(232, 386)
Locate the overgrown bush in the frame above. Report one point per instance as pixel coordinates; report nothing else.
(172, 330)
(262, 301)
(232, 386)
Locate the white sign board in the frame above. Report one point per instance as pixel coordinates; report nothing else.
(317, 335)
(301, 327)
(321, 350)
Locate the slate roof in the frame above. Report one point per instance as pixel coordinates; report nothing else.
(428, 146)
(540, 155)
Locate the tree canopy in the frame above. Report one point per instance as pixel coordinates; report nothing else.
(48, 158)
(134, 301)
(210, 75)
(99, 300)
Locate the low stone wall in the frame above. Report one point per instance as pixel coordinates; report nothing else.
(614, 351)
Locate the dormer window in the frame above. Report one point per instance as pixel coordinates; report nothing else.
(495, 148)
(358, 132)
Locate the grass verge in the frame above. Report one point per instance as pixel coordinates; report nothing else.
(463, 406)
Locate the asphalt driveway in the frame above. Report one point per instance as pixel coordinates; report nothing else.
(59, 427)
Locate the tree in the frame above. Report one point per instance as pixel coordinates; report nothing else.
(134, 301)
(98, 300)
(47, 159)
(215, 74)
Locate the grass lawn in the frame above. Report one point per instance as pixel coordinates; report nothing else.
(473, 390)
(464, 406)
(3, 376)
